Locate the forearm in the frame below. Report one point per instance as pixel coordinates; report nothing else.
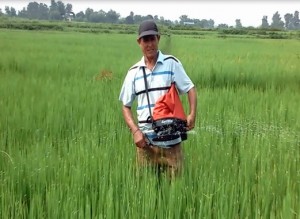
(138, 136)
(192, 97)
(128, 117)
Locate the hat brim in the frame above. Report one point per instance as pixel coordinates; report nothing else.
(148, 32)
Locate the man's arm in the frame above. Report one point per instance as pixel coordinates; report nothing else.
(128, 117)
(191, 118)
(138, 136)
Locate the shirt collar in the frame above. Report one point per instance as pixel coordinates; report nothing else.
(160, 59)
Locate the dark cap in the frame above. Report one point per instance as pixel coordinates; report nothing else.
(148, 27)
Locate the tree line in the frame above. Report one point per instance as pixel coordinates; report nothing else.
(61, 11)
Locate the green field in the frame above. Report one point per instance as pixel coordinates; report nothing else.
(65, 151)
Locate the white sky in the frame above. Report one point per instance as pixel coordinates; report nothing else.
(249, 12)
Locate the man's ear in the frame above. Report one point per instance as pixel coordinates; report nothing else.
(138, 40)
(158, 37)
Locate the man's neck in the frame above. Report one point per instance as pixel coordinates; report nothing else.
(151, 61)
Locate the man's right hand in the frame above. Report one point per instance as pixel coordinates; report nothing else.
(139, 139)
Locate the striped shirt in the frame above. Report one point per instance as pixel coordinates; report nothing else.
(167, 69)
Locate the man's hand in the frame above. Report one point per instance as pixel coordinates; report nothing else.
(138, 136)
(190, 122)
(139, 139)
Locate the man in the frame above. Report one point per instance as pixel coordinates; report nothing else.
(160, 70)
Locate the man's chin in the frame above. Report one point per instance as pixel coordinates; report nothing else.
(151, 54)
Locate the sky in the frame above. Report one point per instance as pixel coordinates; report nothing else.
(249, 12)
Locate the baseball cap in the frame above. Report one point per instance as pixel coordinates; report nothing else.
(148, 27)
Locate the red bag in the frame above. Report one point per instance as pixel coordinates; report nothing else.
(169, 106)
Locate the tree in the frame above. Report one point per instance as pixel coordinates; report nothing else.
(203, 23)
(129, 19)
(53, 12)
(289, 21)
(265, 23)
(168, 22)
(88, 13)
(23, 13)
(223, 26)
(7, 10)
(55, 15)
(43, 11)
(112, 16)
(211, 23)
(61, 8)
(149, 17)
(53, 6)
(80, 16)
(13, 12)
(10, 11)
(137, 18)
(69, 8)
(238, 24)
(277, 23)
(183, 18)
(98, 17)
(33, 10)
(296, 20)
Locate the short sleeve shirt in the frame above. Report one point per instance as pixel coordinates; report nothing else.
(168, 69)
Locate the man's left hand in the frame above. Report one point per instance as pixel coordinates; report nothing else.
(190, 122)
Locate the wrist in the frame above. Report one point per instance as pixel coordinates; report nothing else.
(192, 114)
(135, 131)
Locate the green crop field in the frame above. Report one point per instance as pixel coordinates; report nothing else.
(65, 151)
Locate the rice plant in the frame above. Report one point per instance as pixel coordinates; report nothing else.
(65, 151)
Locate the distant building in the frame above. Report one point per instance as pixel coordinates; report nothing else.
(69, 16)
(188, 23)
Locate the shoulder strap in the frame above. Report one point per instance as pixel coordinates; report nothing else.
(149, 119)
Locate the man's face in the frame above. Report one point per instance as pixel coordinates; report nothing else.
(149, 45)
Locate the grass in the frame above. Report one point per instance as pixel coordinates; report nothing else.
(66, 152)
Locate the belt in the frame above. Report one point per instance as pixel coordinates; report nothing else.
(145, 121)
(148, 120)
